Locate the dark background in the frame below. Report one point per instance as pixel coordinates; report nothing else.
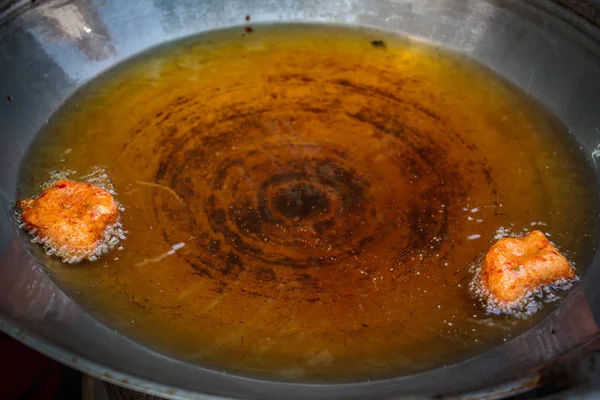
(28, 375)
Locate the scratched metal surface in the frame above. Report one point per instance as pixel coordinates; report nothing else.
(50, 48)
(589, 10)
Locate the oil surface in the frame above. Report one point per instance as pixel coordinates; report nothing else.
(304, 203)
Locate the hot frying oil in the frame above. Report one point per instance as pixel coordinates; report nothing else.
(304, 203)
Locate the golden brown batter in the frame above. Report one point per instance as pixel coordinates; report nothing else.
(71, 219)
(514, 268)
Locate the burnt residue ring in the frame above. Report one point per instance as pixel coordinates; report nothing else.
(274, 193)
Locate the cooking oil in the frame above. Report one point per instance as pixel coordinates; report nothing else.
(305, 202)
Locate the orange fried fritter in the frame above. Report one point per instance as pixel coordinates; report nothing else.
(72, 219)
(513, 268)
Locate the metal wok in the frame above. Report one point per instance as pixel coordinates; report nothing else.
(50, 48)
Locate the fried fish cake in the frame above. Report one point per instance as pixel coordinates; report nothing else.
(72, 219)
(514, 267)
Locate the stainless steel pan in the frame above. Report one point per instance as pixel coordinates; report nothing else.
(50, 48)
